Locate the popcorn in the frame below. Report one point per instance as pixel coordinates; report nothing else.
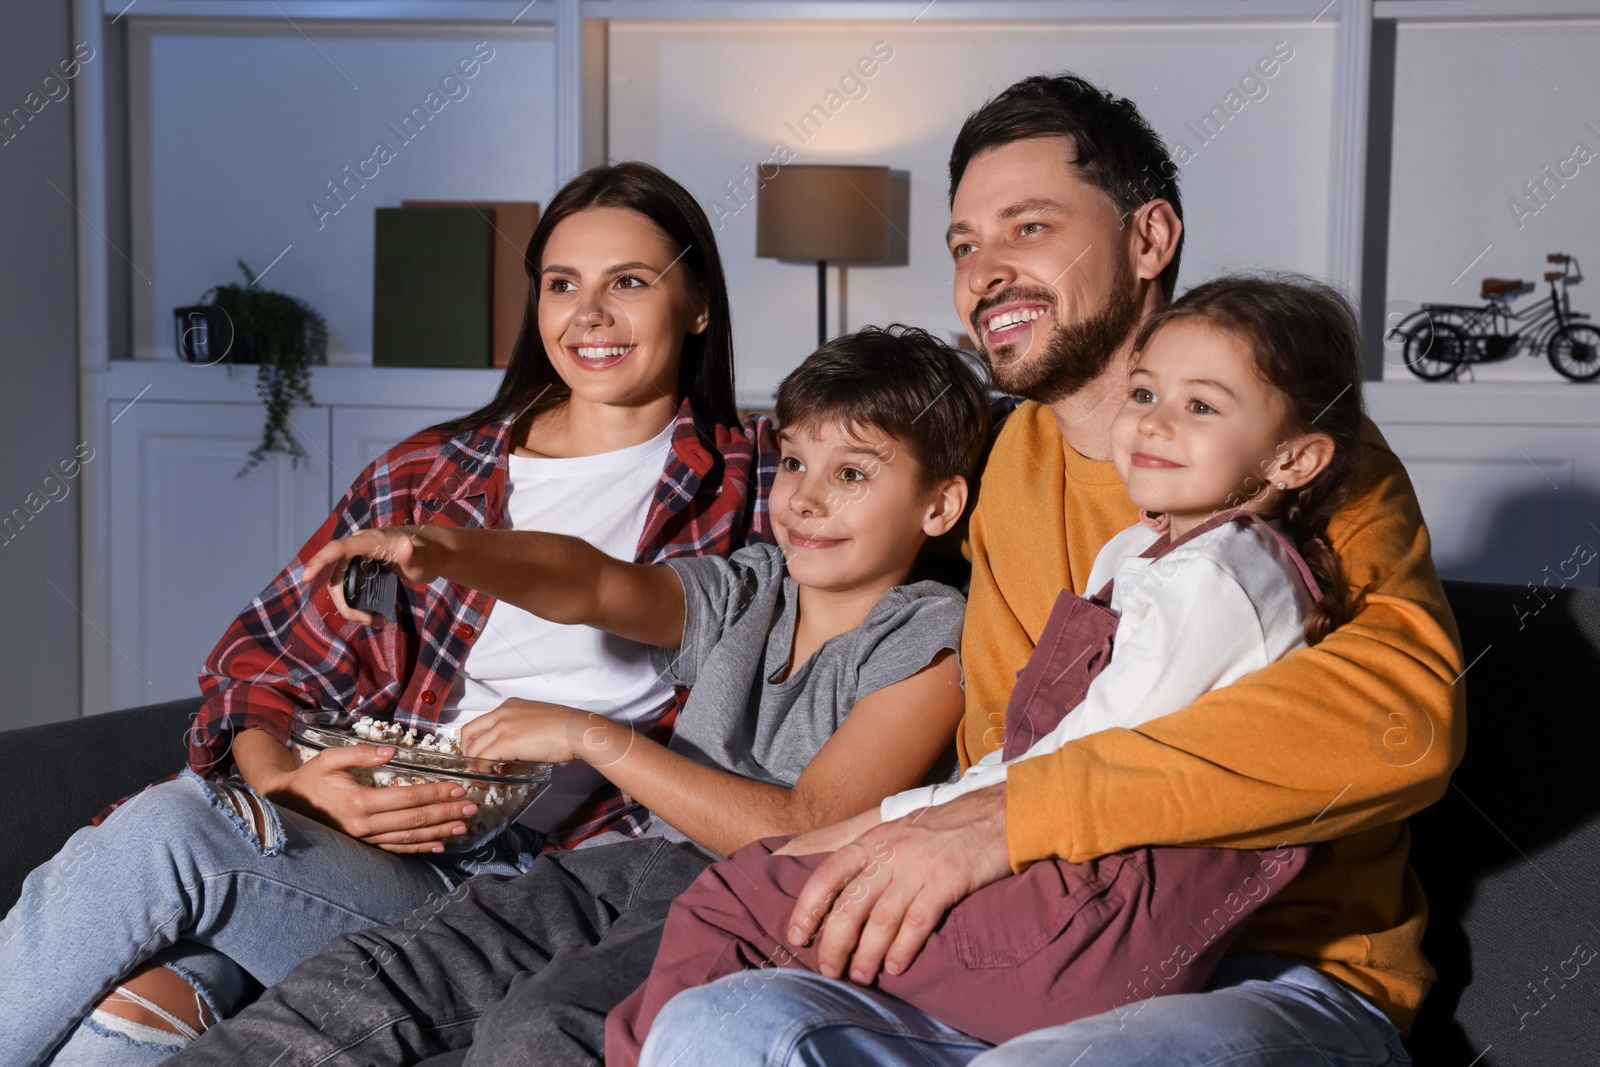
(381, 732)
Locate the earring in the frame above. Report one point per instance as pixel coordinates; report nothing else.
(1282, 486)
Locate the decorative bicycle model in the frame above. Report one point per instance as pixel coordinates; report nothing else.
(1441, 339)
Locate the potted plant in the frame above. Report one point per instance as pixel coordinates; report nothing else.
(284, 337)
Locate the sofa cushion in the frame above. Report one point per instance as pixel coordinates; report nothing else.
(61, 775)
(1510, 857)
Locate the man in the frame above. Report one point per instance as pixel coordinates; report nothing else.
(1066, 229)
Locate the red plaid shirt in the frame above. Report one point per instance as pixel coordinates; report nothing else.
(291, 649)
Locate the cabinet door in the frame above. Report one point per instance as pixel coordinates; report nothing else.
(1506, 503)
(361, 435)
(191, 542)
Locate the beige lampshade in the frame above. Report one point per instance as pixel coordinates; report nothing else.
(837, 214)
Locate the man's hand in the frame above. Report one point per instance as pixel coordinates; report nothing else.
(879, 897)
(524, 730)
(832, 838)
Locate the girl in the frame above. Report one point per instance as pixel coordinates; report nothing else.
(614, 422)
(1237, 441)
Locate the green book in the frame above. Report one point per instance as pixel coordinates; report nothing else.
(433, 282)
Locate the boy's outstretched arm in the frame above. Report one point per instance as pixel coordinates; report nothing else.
(887, 743)
(556, 577)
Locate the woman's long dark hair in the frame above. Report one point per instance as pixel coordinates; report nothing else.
(531, 385)
(1307, 345)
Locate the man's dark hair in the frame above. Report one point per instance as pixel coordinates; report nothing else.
(903, 381)
(1115, 148)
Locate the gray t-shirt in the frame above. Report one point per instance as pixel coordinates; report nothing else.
(739, 622)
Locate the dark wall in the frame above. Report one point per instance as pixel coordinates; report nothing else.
(38, 369)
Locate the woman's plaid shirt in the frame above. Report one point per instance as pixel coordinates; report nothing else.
(291, 649)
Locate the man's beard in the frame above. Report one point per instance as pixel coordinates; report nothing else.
(1074, 353)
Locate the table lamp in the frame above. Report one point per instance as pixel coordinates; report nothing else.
(828, 214)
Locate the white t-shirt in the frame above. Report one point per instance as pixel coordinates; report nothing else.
(605, 500)
(1204, 615)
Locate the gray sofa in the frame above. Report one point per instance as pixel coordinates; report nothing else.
(1510, 857)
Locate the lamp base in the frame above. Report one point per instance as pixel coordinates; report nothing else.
(822, 302)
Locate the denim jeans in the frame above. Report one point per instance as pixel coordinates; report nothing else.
(1257, 1011)
(177, 875)
(523, 969)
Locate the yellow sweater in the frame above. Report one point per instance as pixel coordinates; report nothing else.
(1337, 743)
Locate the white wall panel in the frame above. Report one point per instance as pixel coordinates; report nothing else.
(1480, 110)
(707, 99)
(238, 126)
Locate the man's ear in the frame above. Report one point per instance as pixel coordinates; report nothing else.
(1301, 460)
(1156, 229)
(945, 509)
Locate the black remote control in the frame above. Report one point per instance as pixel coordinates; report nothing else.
(371, 587)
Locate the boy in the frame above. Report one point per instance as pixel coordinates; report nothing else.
(820, 683)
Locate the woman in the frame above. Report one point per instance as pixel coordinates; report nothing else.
(615, 422)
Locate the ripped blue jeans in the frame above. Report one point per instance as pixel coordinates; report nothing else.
(180, 875)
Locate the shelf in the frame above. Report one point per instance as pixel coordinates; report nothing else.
(1483, 10)
(507, 12)
(960, 10)
(169, 379)
(1485, 403)
(337, 386)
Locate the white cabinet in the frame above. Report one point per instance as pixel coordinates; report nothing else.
(1497, 515)
(1508, 476)
(191, 542)
(175, 544)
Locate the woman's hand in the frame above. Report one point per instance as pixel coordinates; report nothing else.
(402, 818)
(832, 838)
(524, 730)
(401, 548)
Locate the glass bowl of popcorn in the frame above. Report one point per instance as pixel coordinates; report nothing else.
(502, 789)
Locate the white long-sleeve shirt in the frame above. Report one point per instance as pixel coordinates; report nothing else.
(1210, 611)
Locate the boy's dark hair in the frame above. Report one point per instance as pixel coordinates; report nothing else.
(1306, 343)
(901, 380)
(1115, 149)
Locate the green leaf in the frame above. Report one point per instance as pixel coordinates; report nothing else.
(288, 336)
